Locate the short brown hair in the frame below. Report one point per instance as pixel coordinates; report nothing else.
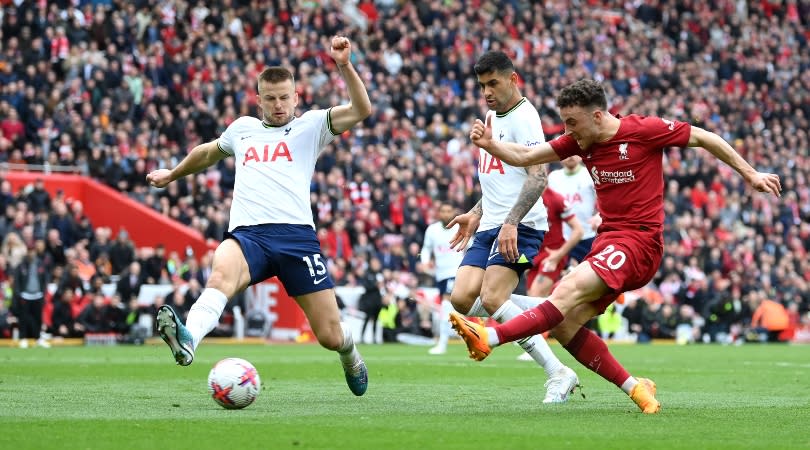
(276, 74)
(584, 93)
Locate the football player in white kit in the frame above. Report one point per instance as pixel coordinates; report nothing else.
(271, 231)
(575, 184)
(509, 222)
(436, 248)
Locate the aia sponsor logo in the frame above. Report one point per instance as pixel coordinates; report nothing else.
(488, 163)
(265, 155)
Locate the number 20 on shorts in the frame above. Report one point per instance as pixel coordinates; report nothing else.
(612, 257)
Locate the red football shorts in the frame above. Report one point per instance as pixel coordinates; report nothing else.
(625, 260)
(537, 268)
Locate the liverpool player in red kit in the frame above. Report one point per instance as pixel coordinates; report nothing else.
(624, 156)
(553, 256)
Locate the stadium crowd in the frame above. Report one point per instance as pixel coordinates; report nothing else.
(117, 89)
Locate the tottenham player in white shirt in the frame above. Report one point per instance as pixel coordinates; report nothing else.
(436, 248)
(508, 222)
(271, 232)
(575, 184)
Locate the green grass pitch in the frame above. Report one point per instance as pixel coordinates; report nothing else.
(713, 397)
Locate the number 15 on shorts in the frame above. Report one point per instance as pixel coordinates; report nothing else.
(317, 269)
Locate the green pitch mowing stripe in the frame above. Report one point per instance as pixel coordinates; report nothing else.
(753, 396)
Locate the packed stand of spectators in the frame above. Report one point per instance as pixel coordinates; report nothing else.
(118, 89)
(65, 278)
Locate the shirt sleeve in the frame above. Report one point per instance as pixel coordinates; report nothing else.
(565, 146)
(325, 132)
(226, 139)
(665, 133)
(427, 247)
(530, 133)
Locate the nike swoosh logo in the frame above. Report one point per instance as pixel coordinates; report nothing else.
(317, 281)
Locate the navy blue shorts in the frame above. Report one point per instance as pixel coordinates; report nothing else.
(290, 252)
(581, 250)
(484, 250)
(445, 286)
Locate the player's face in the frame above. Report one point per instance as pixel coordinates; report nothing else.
(446, 214)
(571, 162)
(277, 101)
(582, 124)
(498, 90)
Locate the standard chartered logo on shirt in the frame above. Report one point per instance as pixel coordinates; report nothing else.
(612, 176)
(595, 175)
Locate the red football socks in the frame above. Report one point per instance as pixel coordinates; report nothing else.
(539, 319)
(593, 353)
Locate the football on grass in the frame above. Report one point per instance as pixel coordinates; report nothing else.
(234, 383)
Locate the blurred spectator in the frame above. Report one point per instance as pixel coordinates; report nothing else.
(115, 314)
(129, 285)
(370, 302)
(389, 316)
(154, 265)
(769, 320)
(62, 320)
(30, 281)
(93, 318)
(13, 249)
(122, 252)
(7, 321)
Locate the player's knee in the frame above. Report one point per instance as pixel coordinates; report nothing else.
(491, 300)
(566, 295)
(217, 280)
(461, 302)
(331, 340)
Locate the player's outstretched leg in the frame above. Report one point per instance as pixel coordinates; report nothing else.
(643, 394)
(353, 366)
(474, 335)
(175, 335)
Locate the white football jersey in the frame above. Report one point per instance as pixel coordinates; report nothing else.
(274, 167)
(578, 190)
(437, 243)
(500, 182)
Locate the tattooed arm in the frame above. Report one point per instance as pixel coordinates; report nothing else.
(478, 209)
(532, 189)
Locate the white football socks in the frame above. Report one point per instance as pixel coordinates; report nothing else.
(535, 346)
(629, 384)
(204, 314)
(477, 309)
(349, 355)
(525, 302)
(444, 324)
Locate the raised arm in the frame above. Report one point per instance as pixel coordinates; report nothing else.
(722, 150)
(509, 152)
(198, 158)
(346, 116)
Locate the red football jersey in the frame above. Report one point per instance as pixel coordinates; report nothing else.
(627, 170)
(558, 212)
